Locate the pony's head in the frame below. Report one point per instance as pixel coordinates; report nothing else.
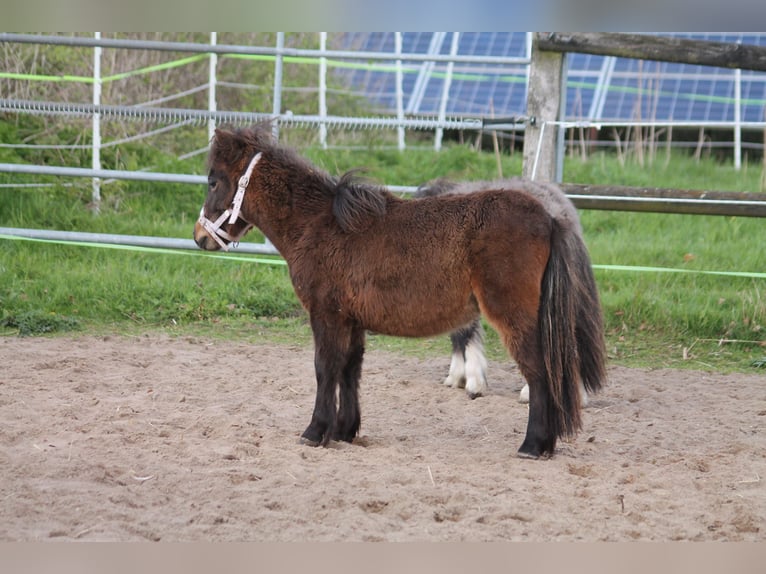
(232, 162)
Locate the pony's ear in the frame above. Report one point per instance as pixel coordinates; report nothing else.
(228, 144)
(218, 136)
(223, 136)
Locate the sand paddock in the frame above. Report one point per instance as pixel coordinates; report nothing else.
(183, 439)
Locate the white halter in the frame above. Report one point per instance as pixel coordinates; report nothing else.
(214, 227)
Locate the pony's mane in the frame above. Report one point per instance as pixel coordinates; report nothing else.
(232, 146)
(357, 202)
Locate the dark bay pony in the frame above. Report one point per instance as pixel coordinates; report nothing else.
(468, 366)
(361, 259)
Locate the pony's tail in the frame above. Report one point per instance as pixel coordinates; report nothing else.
(572, 331)
(589, 329)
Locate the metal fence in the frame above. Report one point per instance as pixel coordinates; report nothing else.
(278, 54)
(394, 61)
(171, 118)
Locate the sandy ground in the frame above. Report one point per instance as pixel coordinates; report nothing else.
(154, 438)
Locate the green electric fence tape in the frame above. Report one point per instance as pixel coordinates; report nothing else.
(276, 260)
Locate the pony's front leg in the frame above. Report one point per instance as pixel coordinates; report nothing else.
(338, 351)
(323, 417)
(349, 414)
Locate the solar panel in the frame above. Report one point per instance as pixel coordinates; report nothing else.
(599, 88)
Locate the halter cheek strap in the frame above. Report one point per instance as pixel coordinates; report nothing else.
(214, 227)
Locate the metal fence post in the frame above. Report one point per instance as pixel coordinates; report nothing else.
(399, 90)
(323, 90)
(211, 86)
(96, 160)
(277, 110)
(445, 90)
(737, 119)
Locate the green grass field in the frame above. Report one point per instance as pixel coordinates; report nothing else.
(653, 319)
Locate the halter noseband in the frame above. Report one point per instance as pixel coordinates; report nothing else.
(214, 227)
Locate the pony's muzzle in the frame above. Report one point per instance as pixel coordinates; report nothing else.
(203, 240)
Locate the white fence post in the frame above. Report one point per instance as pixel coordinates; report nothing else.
(96, 160)
(737, 119)
(445, 90)
(211, 85)
(277, 110)
(323, 90)
(399, 90)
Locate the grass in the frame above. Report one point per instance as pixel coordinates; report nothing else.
(653, 319)
(38, 323)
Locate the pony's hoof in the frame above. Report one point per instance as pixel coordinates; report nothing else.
(476, 395)
(454, 381)
(340, 437)
(535, 450)
(527, 455)
(476, 387)
(308, 442)
(534, 454)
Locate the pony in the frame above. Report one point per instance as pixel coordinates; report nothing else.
(468, 365)
(362, 259)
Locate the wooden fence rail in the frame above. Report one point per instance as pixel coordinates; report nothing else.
(662, 200)
(662, 48)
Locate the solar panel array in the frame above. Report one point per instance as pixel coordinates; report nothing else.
(599, 88)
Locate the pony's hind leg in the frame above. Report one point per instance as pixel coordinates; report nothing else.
(468, 367)
(524, 395)
(475, 362)
(540, 438)
(456, 376)
(512, 308)
(521, 335)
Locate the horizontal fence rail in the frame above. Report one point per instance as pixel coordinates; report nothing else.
(662, 48)
(132, 240)
(222, 49)
(662, 200)
(102, 173)
(600, 197)
(201, 117)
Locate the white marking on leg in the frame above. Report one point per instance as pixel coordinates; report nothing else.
(524, 395)
(583, 396)
(456, 376)
(475, 369)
